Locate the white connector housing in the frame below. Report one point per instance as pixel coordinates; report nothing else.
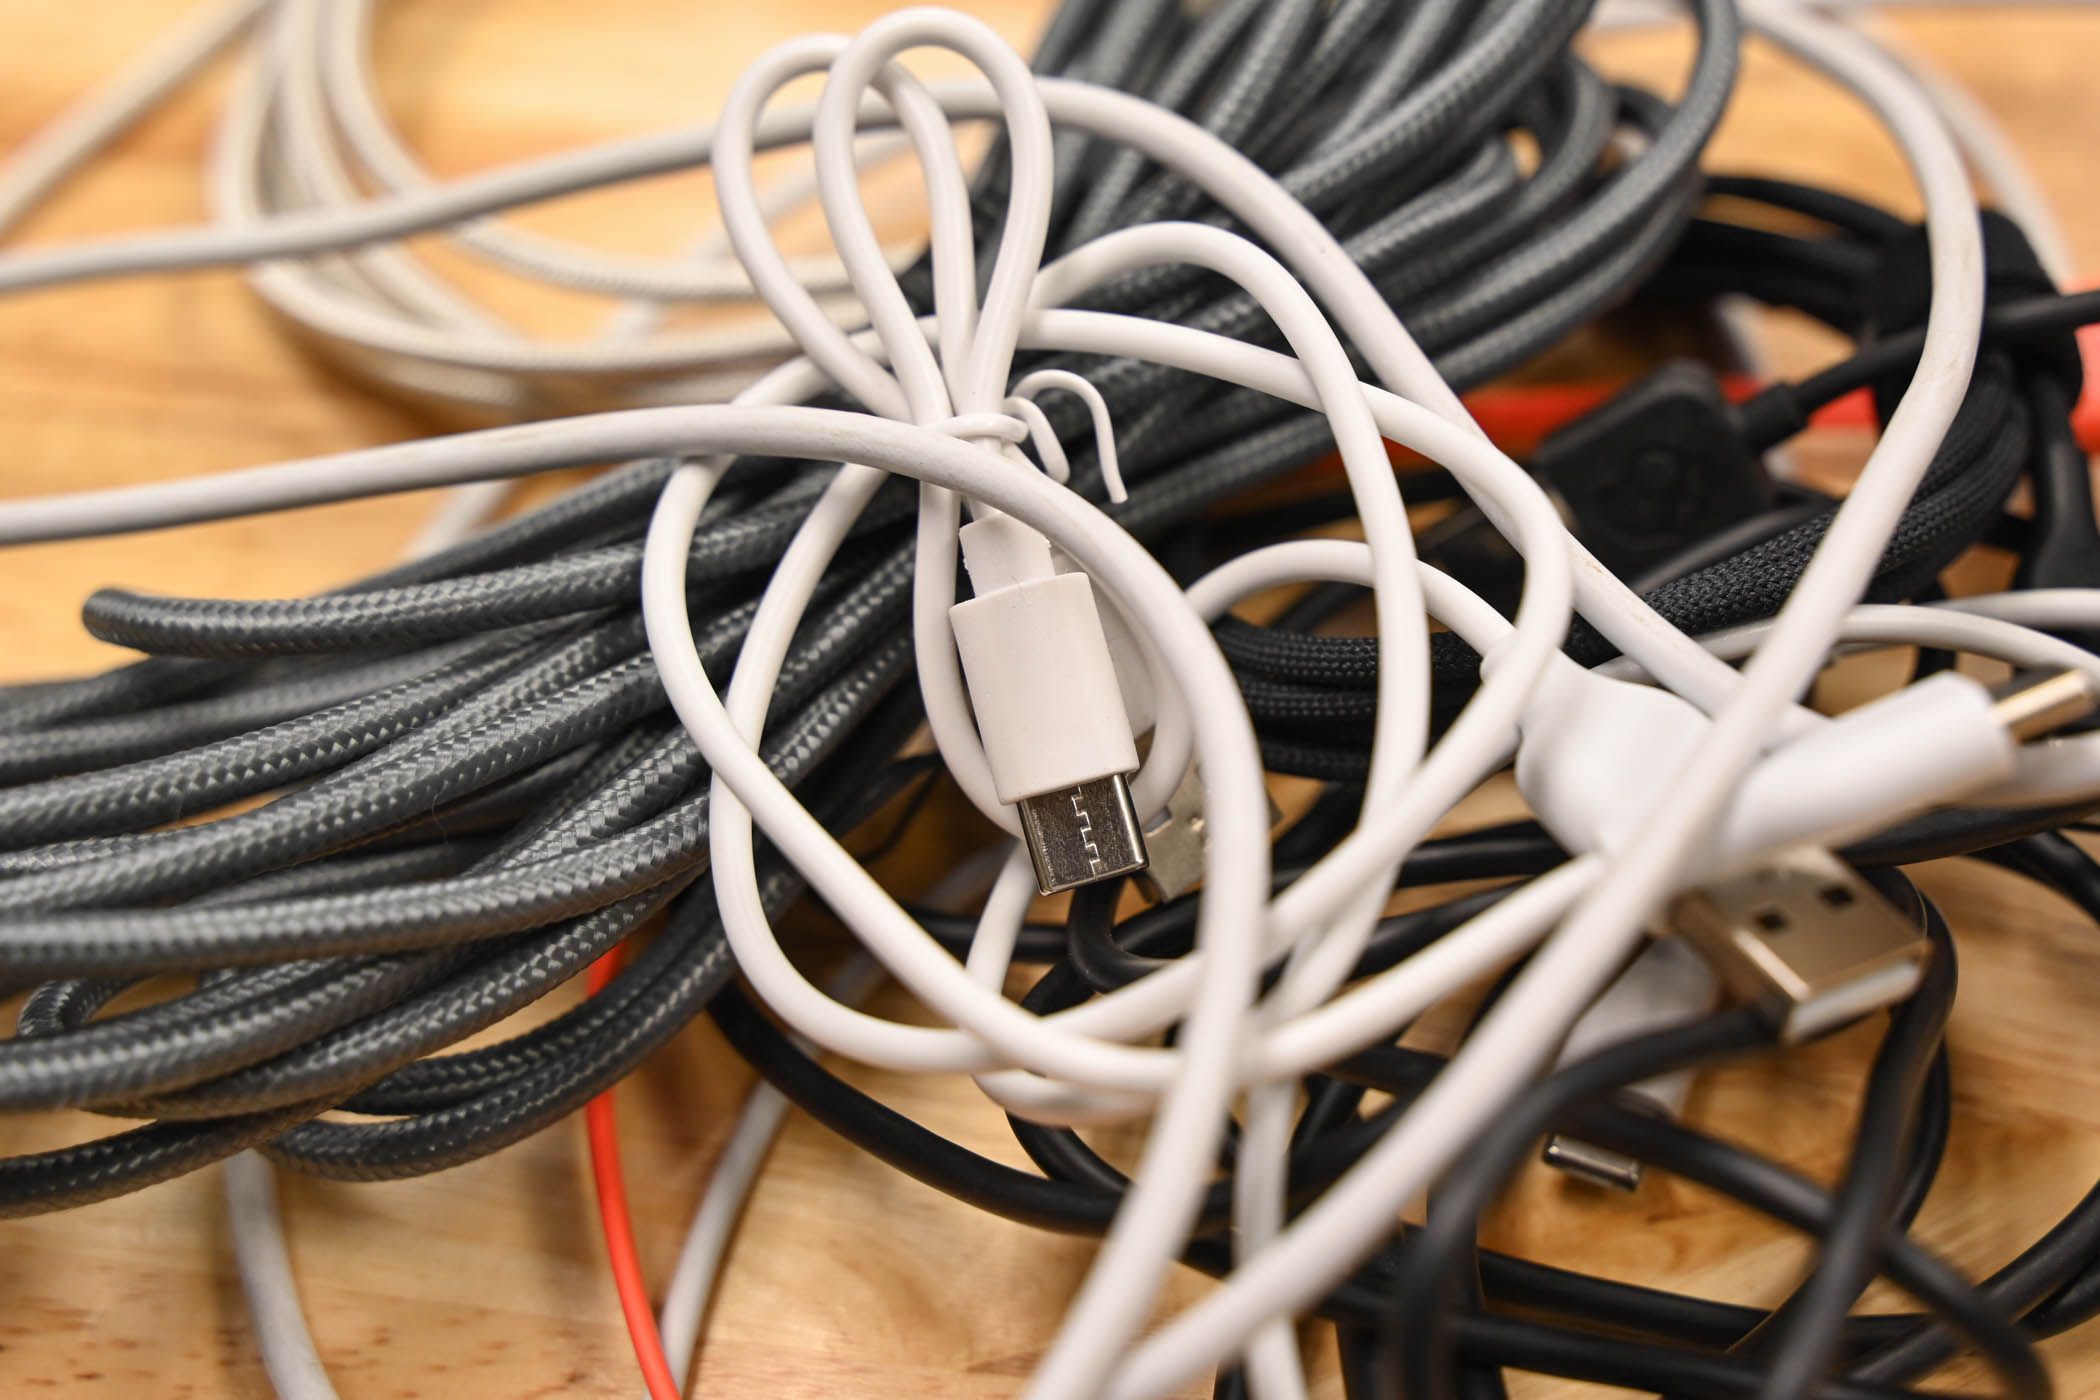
(1775, 913)
(1668, 984)
(1596, 754)
(1041, 678)
(1049, 705)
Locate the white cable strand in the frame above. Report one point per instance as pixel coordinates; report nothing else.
(69, 141)
(265, 1264)
(303, 134)
(1518, 1035)
(729, 1188)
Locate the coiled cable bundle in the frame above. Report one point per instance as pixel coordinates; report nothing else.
(493, 764)
(476, 692)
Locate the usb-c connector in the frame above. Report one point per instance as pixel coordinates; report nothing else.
(1049, 707)
(1083, 833)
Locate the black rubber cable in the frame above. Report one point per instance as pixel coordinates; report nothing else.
(1804, 1334)
(1069, 1207)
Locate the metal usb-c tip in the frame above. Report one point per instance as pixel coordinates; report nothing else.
(1600, 1166)
(1077, 835)
(2037, 703)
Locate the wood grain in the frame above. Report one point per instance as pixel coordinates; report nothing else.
(847, 1278)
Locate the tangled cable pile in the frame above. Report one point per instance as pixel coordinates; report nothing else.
(490, 765)
(357, 695)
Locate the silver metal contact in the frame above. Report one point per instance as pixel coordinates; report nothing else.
(1078, 835)
(1807, 930)
(1598, 1165)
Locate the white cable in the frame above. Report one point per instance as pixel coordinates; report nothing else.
(318, 129)
(287, 1347)
(736, 1169)
(1518, 1035)
(942, 411)
(729, 1188)
(61, 147)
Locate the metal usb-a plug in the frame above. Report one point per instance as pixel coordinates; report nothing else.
(1802, 930)
(1806, 933)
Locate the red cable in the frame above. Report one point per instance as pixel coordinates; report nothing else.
(1518, 416)
(611, 1182)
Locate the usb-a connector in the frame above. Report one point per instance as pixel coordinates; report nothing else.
(1807, 934)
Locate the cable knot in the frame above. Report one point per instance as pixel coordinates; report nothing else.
(1021, 419)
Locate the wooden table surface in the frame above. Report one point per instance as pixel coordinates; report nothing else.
(847, 1278)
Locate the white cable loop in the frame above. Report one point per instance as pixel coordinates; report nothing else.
(942, 406)
(1021, 419)
(1022, 401)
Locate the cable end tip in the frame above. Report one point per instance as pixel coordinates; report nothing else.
(2034, 704)
(1077, 835)
(1600, 1166)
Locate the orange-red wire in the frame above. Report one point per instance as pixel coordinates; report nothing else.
(1518, 416)
(610, 1178)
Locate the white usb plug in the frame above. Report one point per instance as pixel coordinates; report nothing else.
(1048, 704)
(1779, 917)
(1595, 753)
(1669, 984)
